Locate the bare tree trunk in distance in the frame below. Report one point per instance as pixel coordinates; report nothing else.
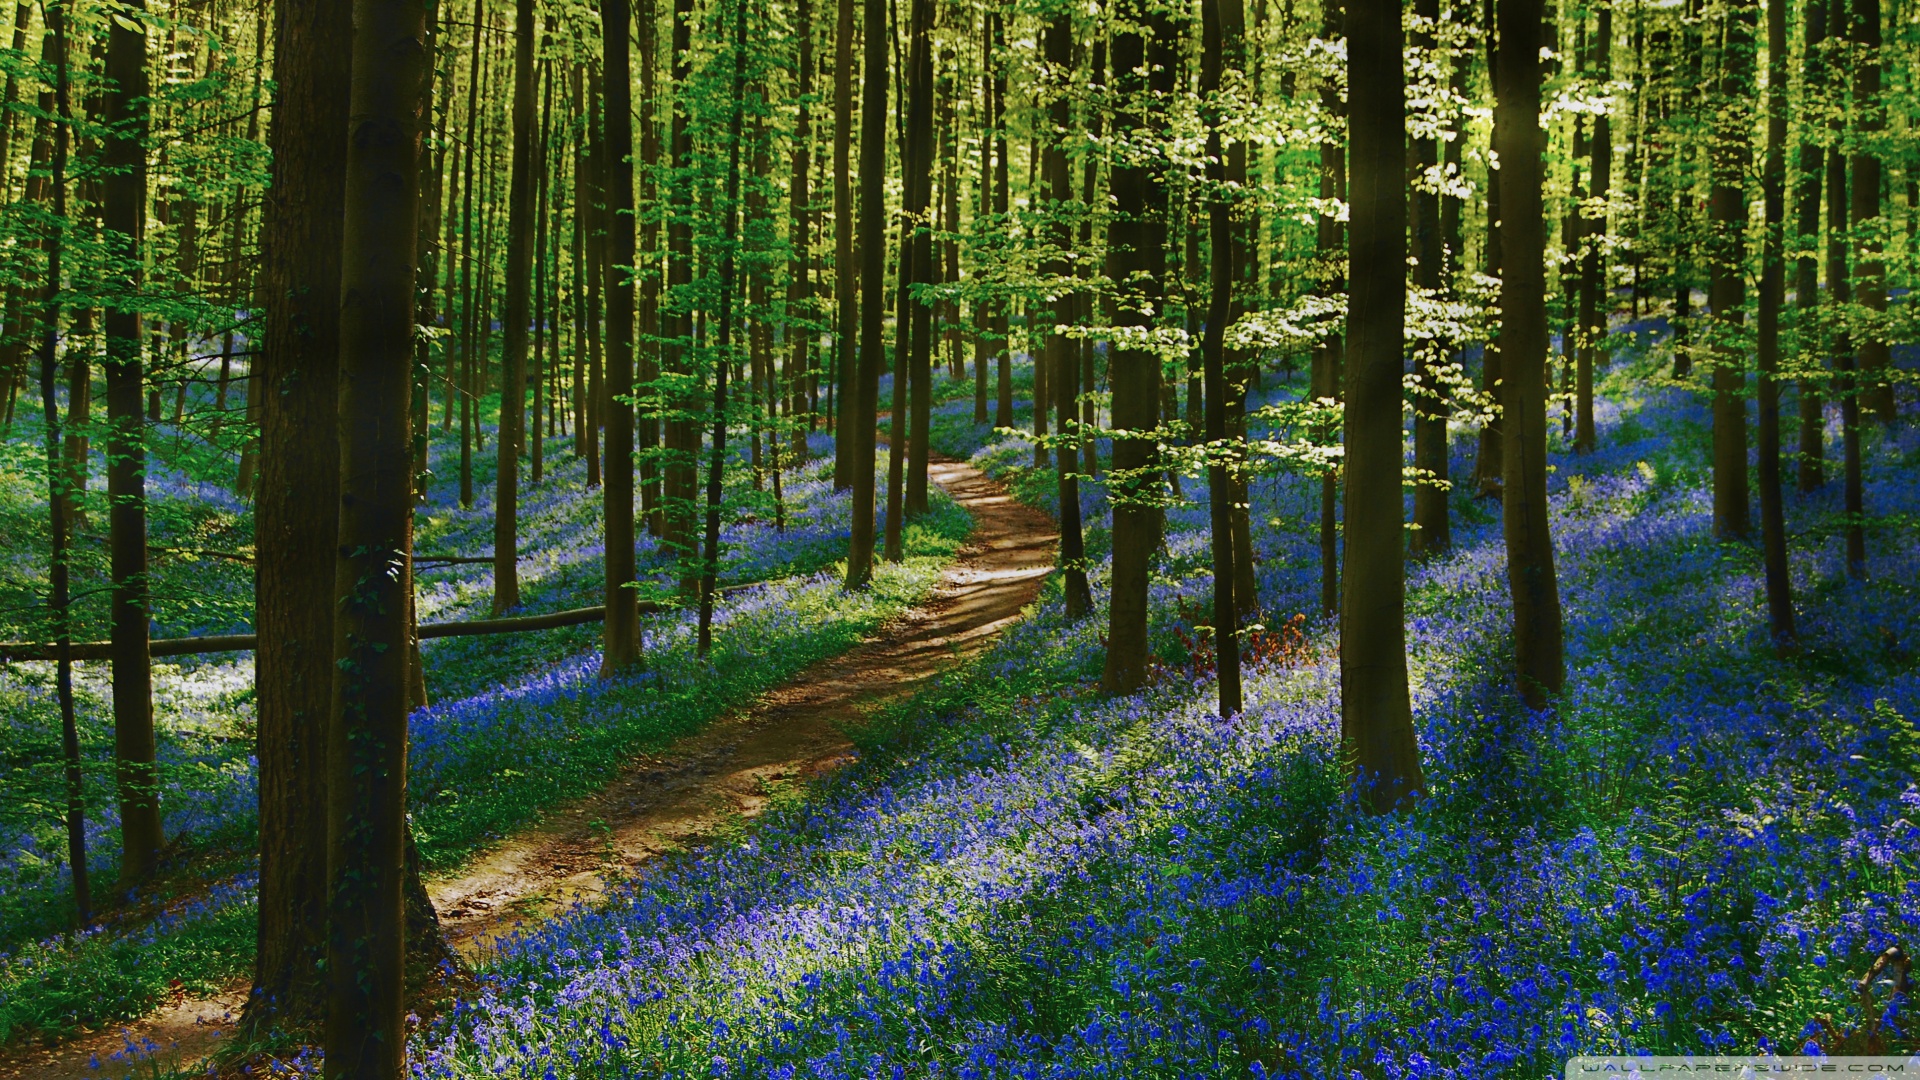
(621, 640)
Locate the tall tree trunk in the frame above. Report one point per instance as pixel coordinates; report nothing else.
(1089, 191)
(296, 511)
(136, 773)
(683, 431)
(1136, 244)
(983, 206)
(513, 389)
(1727, 289)
(920, 132)
(621, 641)
(1840, 294)
(800, 328)
(1329, 240)
(1376, 718)
(536, 445)
(1062, 352)
(1870, 277)
(53, 54)
(1539, 656)
(859, 424)
(998, 324)
(1773, 527)
(1595, 299)
(1811, 471)
(845, 280)
(730, 233)
(1222, 29)
(647, 364)
(373, 579)
(1432, 534)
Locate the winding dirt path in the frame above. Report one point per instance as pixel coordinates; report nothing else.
(725, 773)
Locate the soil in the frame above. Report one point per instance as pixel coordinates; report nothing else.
(704, 784)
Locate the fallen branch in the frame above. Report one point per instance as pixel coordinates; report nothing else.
(193, 646)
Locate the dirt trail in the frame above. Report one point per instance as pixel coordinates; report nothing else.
(722, 774)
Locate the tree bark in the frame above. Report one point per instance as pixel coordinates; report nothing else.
(513, 389)
(1327, 379)
(1870, 276)
(621, 642)
(1539, 658)
(367, 743)
(1137, 240)
(1376, 719)
(1732, 157)
(1222, 26)
(920, 132)
(136, 773)
(845, 271)
(1811, 471)
(1062, 352)
(1595, 298)
(1773, 528)
(1840, 294)
(859, 425)
(1432, 534)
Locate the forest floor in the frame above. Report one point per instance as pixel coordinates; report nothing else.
(698, 790)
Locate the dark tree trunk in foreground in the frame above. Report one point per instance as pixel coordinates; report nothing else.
(373, 580)
(1221, 19)
(53, 53)
(1539, 657)
(1137, 242)
(1773, 527)
(126, 205)
(1062, 352)
(1376, 718)
(621, 640)
(513, 389)
(1732, 157)
(296, 509)
(857, 432)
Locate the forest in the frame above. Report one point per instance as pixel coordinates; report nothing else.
(1361, 539)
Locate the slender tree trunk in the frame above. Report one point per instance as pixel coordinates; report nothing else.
(53, 54)
(800, 330)
(983, 206)
(1376, 719)
(1595, 299)
(1811, 471)
(521, 191)
(1089, 190)
(1223, 24)
(845, 282)
(1328, 378)
(1727, 290)
(1432, 534)
(647, 362)
(1003, 390)
(919, 362)
(683, 431)
(730, 232)
(1539, 658)
(1846, 384)
(373, 580)
(1062, 352)
(136, 773)
(1870, 277)
(1137, 241)
(537, 444)
(1773, 527)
